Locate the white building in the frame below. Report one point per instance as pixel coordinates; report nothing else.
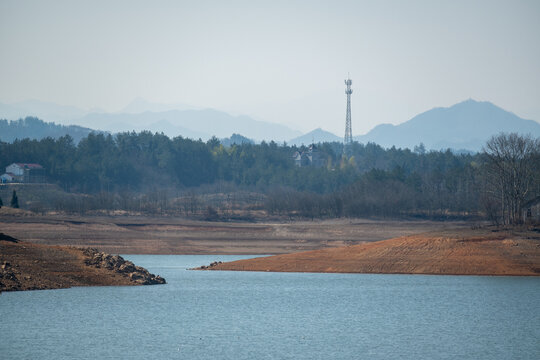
(21, 172)
(7, 178)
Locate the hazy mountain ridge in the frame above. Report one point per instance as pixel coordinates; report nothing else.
(463, 126)
(466, 125)
(235, 139)
(34, 128)
(171, 119)
(316, 136)
(190, 123)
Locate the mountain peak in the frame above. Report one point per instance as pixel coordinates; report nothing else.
(315, 136)
(473, 102)
(465, 125)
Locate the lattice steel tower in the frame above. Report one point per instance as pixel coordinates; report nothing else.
(348, 131)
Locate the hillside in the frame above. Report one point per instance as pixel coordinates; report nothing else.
(467, 125)
(34, 128)
(316, 136)
(236, 139)
(441, 253)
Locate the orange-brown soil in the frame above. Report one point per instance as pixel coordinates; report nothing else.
(469, 253)
(342, 245)
(28, 266)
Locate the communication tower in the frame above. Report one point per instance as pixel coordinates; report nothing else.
(348, 132)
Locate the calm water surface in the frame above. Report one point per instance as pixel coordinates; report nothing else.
(249, 315)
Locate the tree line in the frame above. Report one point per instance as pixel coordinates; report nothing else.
(369, 181)
(34, 128)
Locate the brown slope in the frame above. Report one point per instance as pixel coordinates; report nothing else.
(417, 254)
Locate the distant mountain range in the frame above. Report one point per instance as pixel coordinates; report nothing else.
(467, 125)
(171, 119)
(316, 136)
(34, 128)
(236, 139)
(190, 123)
(464, 126)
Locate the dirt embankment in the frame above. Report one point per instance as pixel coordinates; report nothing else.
(170, 235)
(474, 253)
(28, 266)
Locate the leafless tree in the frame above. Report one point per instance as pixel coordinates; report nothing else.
(512, 164)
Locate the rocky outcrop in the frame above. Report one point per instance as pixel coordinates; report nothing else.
(119, 265)
(8, 279)
(209, 267)
(31, 266)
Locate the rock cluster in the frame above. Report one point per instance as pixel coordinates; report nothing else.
(8, 279)
(215, 263)
(117, 263)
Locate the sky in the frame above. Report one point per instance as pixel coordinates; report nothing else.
(276, 61)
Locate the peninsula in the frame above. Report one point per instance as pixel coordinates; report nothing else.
(485, 252)
(30, 266)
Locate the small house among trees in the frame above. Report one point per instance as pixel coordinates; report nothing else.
(7, 178)
(24, 173)
(310, 157)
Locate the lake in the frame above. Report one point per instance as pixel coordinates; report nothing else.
(250, 315)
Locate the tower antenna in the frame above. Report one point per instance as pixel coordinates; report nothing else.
(347, 141)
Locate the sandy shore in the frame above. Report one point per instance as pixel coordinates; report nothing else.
(444, 253)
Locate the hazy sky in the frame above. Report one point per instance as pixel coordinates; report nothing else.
(278, 61)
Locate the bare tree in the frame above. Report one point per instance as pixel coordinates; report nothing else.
(512, 163)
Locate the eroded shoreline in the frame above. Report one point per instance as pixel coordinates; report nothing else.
(477, 253)
(29, 266)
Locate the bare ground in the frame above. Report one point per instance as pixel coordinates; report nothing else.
(169, 235)
(343, 245)
(465, 252)
(29, 266)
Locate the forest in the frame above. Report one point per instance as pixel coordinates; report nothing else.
(365, 180)
(34, 128)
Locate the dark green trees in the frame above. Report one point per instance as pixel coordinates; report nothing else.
(14, 200)
(372, 181)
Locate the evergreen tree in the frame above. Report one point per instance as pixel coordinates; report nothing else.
(14, 200)
(1, 203)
